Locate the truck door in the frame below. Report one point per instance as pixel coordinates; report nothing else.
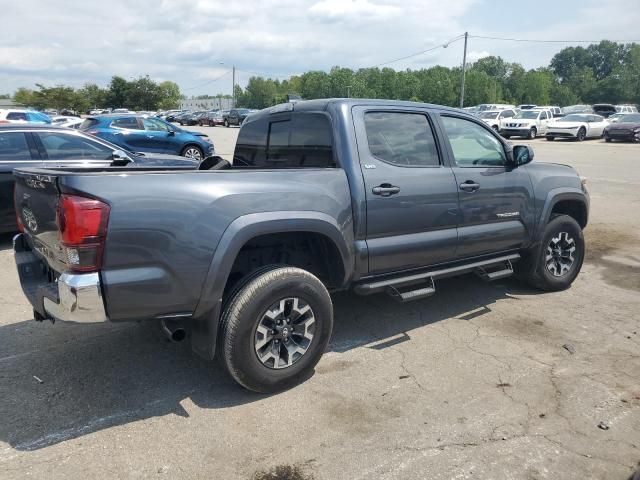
(411, 193)
(496, 201)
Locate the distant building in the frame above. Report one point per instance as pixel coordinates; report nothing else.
(206, 104)
(8, 103)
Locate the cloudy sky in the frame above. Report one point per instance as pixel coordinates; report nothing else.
(195, 42)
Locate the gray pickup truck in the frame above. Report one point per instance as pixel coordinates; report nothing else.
(322, 195)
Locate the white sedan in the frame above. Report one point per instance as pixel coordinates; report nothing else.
(577, 126)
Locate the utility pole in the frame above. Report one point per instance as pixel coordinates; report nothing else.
(233, 84)
(348, 91)
(464, 68)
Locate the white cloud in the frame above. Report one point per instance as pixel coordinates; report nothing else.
(475, 56)
(185, 40)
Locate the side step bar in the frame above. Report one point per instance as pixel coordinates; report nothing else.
(421, 285)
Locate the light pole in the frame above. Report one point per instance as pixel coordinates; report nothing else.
(233, 85)
(348, 91)
(464, 68)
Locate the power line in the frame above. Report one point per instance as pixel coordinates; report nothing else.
(547, 41)
(441, 45)
(209, 81)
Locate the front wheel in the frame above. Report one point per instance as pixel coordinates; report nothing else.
(532, 133)
(226, 123)
(582, 134)
(275, 328)
(556, 262)
(550, 139)
(191, 151)
(607, 138)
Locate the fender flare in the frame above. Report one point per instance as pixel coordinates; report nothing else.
(207, 313)
(553, 197)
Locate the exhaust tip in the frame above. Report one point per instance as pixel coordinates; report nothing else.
(174, 332)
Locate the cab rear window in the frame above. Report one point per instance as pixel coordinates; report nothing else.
(297, 140)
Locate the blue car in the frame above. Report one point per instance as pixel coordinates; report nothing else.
(148, 134)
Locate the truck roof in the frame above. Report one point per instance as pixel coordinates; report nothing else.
(323, 104)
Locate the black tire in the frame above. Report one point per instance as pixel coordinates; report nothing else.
(245, 311)
(582, 134)
(532, 133)
(496, 129)
(226, 123)
(607, 138)
(550, 139)
(533, 266)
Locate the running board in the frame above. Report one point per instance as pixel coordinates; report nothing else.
(489, 274)
(408, 281)
(412, 292)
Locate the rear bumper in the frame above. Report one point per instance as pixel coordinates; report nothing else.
(71, 297)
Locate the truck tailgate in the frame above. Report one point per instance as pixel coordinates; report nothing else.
(36, 202)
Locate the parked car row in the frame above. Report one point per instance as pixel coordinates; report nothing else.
(541, 121)
(47, 146)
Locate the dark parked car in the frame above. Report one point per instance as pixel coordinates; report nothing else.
(47, 146)
(149, 134)
(171, 117)
(190, 118)
(604, 109)
(236, 116)
(323, 195)
(211, 118)
(627, 128)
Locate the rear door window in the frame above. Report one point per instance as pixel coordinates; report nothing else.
(298, 140)
(401, 138)
(13, 146)
(60, 146)
(130, 123)
(17, 116)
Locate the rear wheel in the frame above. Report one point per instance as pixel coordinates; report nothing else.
(556, 262)
(275, 328)
(226, 123)
(582, 134)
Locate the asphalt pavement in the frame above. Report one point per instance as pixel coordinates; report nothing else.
(481, 381)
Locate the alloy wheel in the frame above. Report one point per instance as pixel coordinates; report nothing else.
(284, 333)
(193, 152)
(559, 257)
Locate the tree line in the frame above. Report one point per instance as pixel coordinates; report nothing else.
(606, 72)
(138, 94)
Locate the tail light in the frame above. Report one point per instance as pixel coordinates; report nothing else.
(15, 206)
(82, 223)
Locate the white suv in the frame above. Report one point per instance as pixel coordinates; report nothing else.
(528, 124)
(22, 116)
(494, 117)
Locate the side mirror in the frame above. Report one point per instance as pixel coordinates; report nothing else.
(522, 154)
(171, 133)
(119, 155)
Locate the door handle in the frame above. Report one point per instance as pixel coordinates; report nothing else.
(385, 190)
(469, 186)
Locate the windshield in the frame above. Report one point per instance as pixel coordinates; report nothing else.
(632, 117)
(528, 114)
(574, 118)
(488, 115)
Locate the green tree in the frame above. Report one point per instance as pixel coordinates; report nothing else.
(117, 92)
(170, 95)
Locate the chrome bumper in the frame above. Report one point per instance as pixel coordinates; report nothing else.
(72, 297)
(79, 299)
